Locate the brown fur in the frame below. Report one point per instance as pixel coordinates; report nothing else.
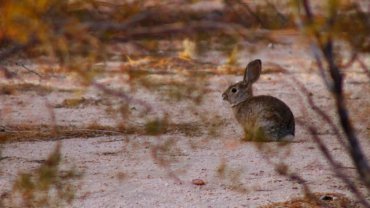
(262, 117)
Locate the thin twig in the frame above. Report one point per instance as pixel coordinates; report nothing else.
(105, 26)
(155, 150)
(364, 67)
(246, 7)
(336, 168)
(353, 58)
(316, 109)
(30, 70)
(321, 113)
(122, 95)
(282, 169)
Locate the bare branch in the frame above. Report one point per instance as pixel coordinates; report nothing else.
(334, 165)
(326, 48)
(364, 68)
(317, 54)
(336, 168)
(8, 74)
(357, 155)
(188, 29)
(104, 26)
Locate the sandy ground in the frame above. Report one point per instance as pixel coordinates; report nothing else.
(120, 170)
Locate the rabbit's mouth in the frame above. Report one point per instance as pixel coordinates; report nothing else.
(224, 96)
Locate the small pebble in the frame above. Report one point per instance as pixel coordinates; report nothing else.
(198, 182)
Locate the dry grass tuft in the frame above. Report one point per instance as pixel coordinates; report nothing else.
(10, 89)
(47, 186)
(79, 102)
(49, 132)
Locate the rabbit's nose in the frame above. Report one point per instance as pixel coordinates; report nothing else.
(224, 96)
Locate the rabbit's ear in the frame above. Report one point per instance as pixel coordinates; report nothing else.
(253, 71)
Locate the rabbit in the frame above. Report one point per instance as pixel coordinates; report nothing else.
(263, 117)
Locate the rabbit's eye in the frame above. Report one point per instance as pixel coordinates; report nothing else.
(233, 90)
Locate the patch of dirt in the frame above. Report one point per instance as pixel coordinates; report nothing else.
(318, 200)
(134, 157)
